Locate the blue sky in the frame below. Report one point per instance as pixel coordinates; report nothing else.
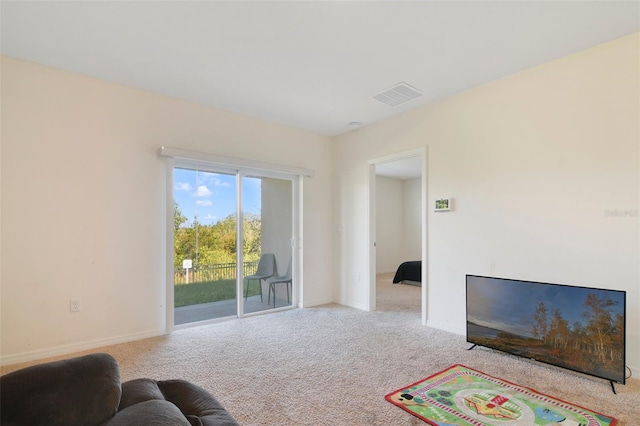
(212, 196)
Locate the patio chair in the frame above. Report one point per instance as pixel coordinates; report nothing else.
(283, 279)
(266, 269)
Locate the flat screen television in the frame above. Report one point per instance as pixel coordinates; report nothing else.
(578, 328)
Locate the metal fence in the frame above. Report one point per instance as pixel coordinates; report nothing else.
(216, 272)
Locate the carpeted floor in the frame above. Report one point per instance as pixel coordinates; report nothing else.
(332, 365)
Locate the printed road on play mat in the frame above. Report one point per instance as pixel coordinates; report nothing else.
(461, 395)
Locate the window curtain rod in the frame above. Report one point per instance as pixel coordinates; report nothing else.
(231, 161)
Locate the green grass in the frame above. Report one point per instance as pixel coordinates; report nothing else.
(207, 291)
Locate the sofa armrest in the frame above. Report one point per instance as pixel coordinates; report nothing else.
(77, 391)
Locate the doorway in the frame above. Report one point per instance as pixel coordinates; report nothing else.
(398, 219)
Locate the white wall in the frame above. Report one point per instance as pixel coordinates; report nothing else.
(389, 224)
(411, 223)
(536, 162)
(397, 222)
(83, 204)
(277, 220)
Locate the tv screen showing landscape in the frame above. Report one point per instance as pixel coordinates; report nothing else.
(578, 328)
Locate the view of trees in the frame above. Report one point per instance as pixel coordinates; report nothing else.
(601, 337)
(215, 243)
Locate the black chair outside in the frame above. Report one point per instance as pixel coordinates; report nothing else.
(283, 279)
(266, 269)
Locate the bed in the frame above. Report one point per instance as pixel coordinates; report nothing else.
(409, 271)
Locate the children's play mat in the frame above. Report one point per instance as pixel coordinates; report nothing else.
(461, 395)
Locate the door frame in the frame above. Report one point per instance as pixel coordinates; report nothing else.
(423, 154)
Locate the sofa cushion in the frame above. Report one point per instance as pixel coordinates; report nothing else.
(149, 413)
(198, 405)
(137, 391)
(77, 391)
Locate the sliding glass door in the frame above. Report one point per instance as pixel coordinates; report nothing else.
(216, 212)
(273, 220)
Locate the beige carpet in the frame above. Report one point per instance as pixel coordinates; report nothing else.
(332, 365)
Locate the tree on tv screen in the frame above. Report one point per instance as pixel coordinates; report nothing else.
(600, 337)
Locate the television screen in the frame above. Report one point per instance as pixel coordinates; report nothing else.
(578, 328)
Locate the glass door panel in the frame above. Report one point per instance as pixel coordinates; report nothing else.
(268, 231)
(205, 265)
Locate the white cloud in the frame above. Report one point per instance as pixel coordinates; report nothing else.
(203, 191)
(204, 202)
(215, 179)
(183, 186)
(218, 182)
(210, 218)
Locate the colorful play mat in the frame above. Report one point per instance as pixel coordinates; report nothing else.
(461, 395)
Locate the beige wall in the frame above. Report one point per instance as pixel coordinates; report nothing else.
(537, 162)
(397, 222)
(83, 204)
(389, 223)
(277, 220)
(411, 219)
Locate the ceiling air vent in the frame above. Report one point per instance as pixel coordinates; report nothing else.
(398, 94)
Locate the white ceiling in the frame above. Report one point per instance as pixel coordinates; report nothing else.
(405, 168)
(313, 65)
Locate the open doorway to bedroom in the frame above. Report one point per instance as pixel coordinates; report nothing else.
(398, 233)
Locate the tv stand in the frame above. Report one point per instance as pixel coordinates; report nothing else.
(474, 345)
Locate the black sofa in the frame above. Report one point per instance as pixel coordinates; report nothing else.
(86, 391)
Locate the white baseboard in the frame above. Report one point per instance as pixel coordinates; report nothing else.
(317, 302)
(75, 347)
(446, 327)
(635, 373)
(358, 306)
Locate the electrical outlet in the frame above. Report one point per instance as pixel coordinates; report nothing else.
(74, 305)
